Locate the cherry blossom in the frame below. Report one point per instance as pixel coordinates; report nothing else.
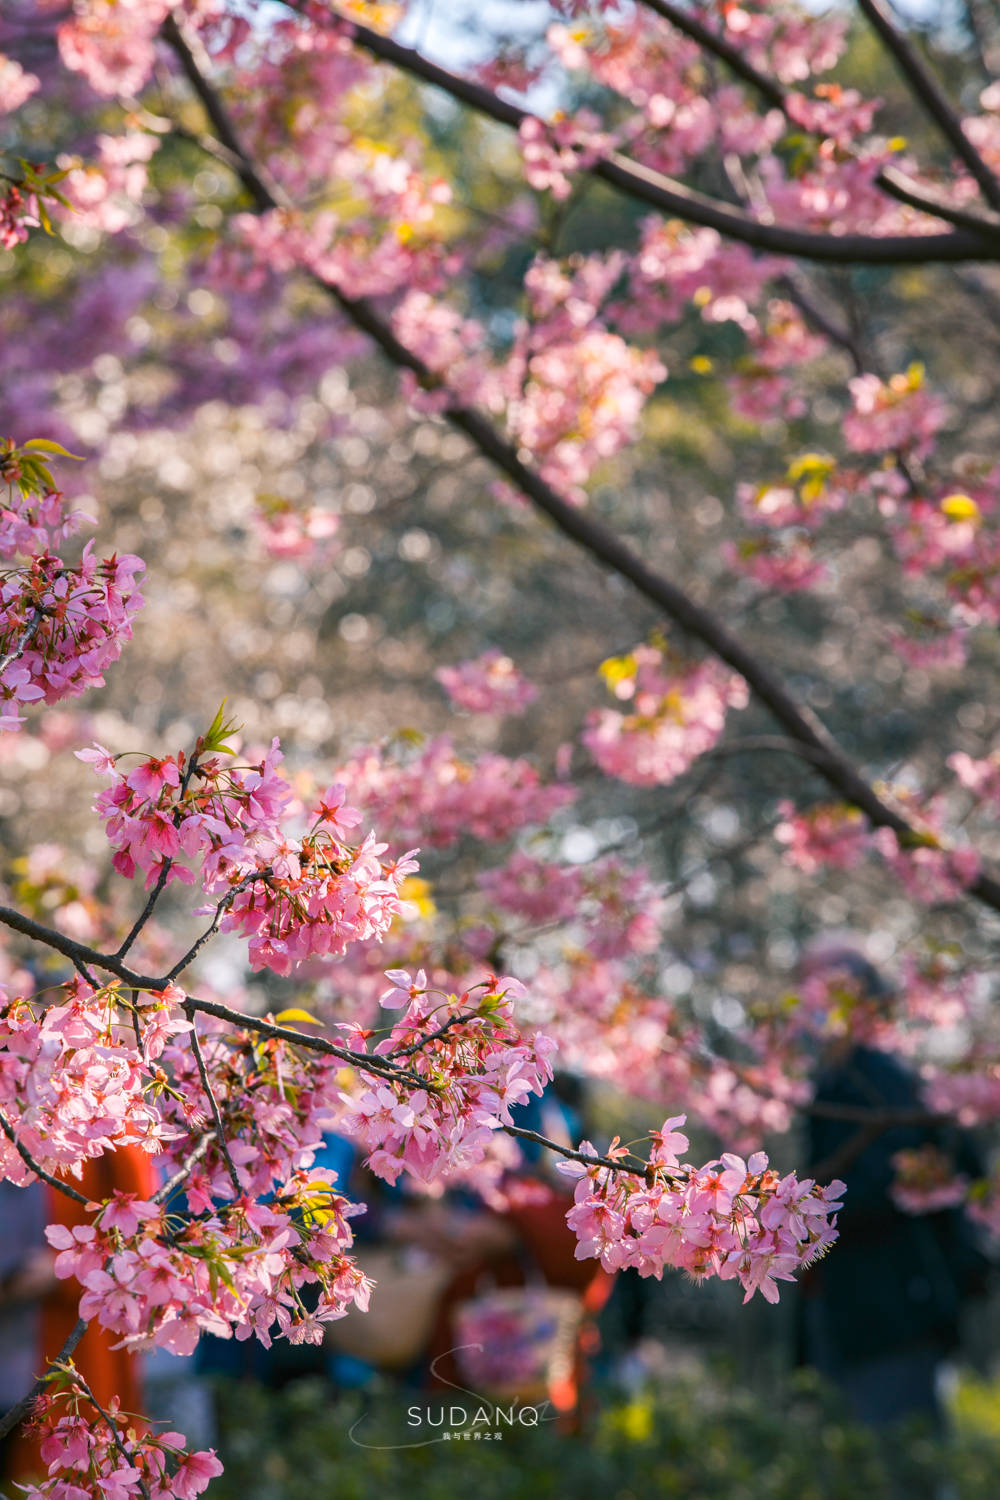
(680, 712)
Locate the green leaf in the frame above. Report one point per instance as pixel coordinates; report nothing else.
(218, 731)
(43, 445)
(302, 1017)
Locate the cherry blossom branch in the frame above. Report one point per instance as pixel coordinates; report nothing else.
(433, 1036)
(633, 1165)
(213, 927)
(710, 41)
(675, 198)
(206, 1084)
(918, 195)
(890, 179)
(842, 337)
(18, 1412)
(383, 1068)
(165, 865)
(193, 1157)
(79, 952)
(589, 533)
(32, 1165)
(78, 1380)
(928, 94)
(147, 911)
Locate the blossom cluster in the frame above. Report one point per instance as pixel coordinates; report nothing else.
(616, 909)
(488, 685)
(554, 152)
(679, 712)
(832, 836)
(73, 1084)
(290, 895)
(151, 1275)
(61, 625)
(895, 415)
(468, 1068)
(98, 1453)
(432, 788)
(731, 1218)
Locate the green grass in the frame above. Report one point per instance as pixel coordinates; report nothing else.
(704, 1440)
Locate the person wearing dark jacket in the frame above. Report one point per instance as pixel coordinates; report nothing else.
(880, 1314)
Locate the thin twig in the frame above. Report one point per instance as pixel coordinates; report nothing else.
(364, 1060)
(147, 911)
(163, 1193)
(126, 1457)
(220, 1129)
(634, 1165)
(433, 1036)
(167, 863)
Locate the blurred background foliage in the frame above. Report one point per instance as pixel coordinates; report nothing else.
(706, 1439)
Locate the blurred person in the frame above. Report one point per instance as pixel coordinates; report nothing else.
(880, 1316)
(526, 1244)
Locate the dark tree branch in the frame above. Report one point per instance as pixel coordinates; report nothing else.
(74, 951)
(116, 1437)
(634, 1165)
(147, 911)
(769, 89)
(919, 195)
(183, 1171)
(27, 636)
(597, 539)
(842, 337)
(890, 179)
(17, 1413)
(929, 95)
(78, 953)
(661, 192)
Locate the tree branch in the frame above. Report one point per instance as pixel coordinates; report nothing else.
(382, 1067)
(928, 94)
(220, 1131)
(17, 1413)
(634, 1165)
(39, 1171)
(123, 1452)
(918, 195)
(664, 193)
(193, 1157)
(592, 536)
(890, 179)
(27, 636)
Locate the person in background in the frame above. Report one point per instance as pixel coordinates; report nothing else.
(880, 1315)
(528, 1244)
